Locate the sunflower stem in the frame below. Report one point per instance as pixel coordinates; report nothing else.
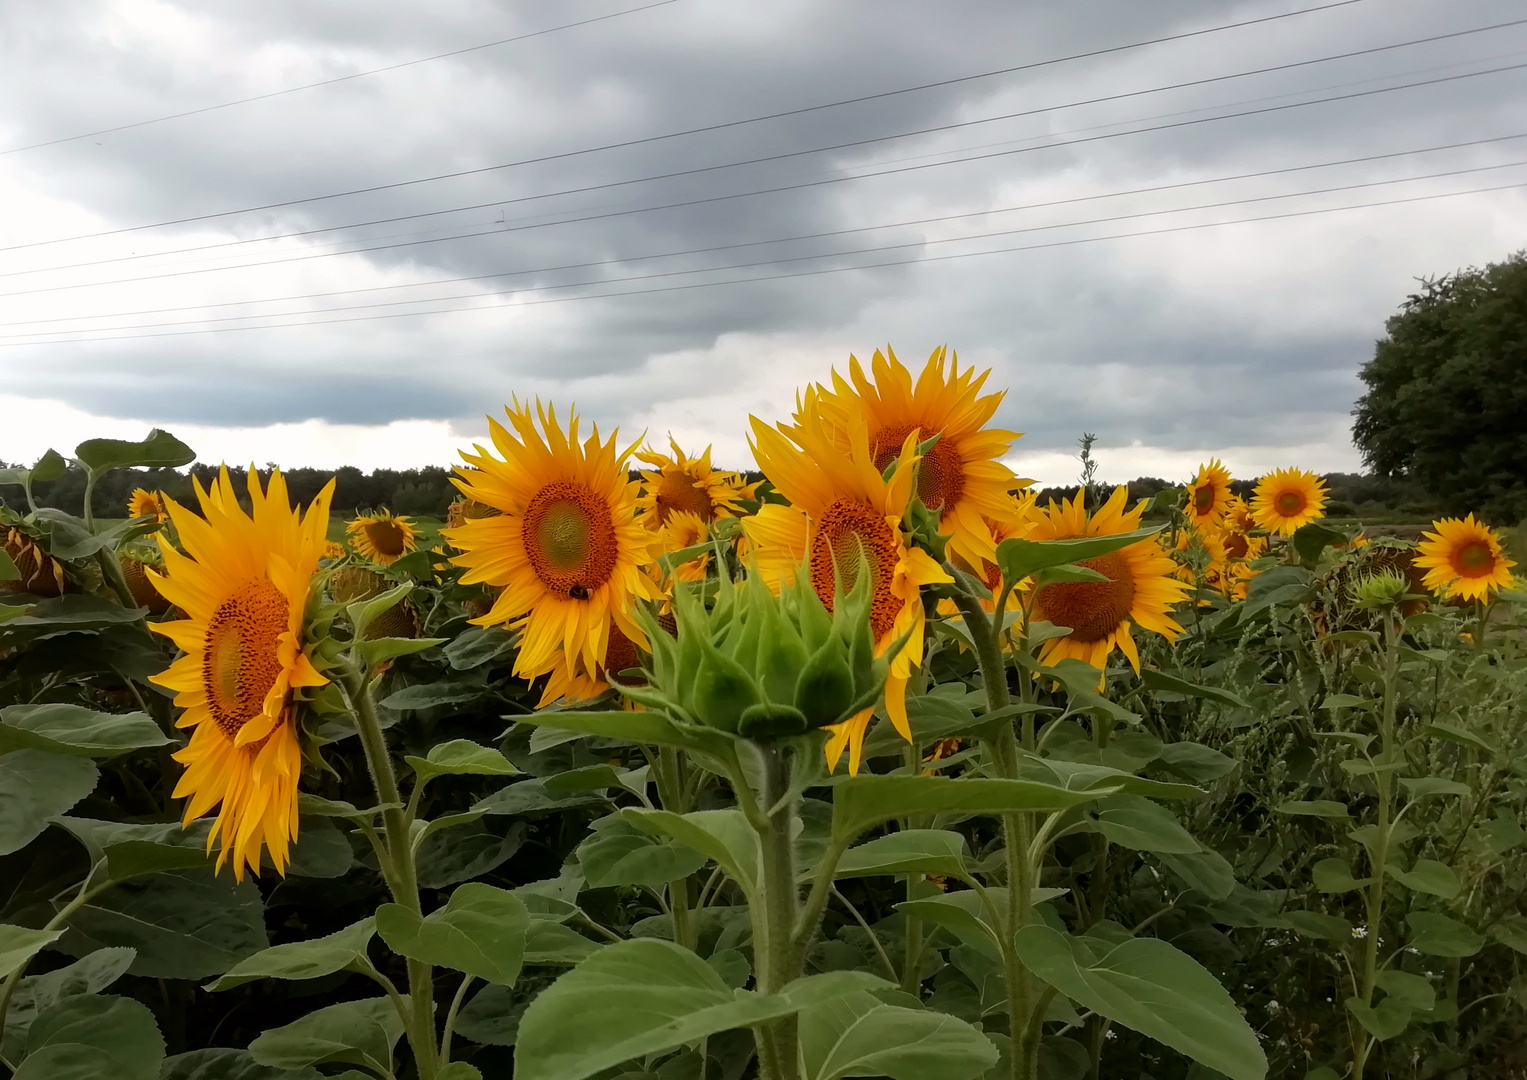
(404, 879)
(777, 948)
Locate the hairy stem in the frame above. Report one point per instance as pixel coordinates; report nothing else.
(778, 951)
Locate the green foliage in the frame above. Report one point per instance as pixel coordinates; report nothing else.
(1446, 406)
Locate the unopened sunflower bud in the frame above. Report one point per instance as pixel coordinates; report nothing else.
(1381, 590)
(825, 689)
(723, 691)
(781, 658)
(772, 721)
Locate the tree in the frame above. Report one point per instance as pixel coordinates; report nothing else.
(1446, 405)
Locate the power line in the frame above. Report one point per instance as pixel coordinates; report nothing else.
(702, 129)
(221, 245)
(331, 82)
(514, 301)
(779, 188)
(938, 219)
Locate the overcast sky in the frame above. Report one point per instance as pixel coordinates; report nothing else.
(384, 333)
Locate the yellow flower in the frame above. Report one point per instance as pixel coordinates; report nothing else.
(1209, 494)
(145, 503)
(244, 582)
(685, 530)
(960, 477)
(1287, 499)
(689, 485)
(1463, 559)
(1237, 517)
(1017, 521)
(382, 537)
(1211, 542)
(843, 510)
(1141, 589)
(332, 549)
(567, 547)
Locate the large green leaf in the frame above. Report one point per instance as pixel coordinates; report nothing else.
(1147, 985)
(430, 695)
(465, 852)
(1428, 876)
(962, 914)
(550, 944)
(481, 931)
(1160, 680)
(1205, 870)
(1019, 558)
(137, 850)
(914, 851)
(77, 731)
(38, 993)
(18, 944)
(160, 450)
(121, 1028)
(626, 1001)
(461, 757)
(855, 1034)
(637, 727)
(297, 960)
(222, 1063)
(35, 786)
(617, 852)
(355, 1032)
(861, 802)
(1438, 935)
(724, 836)
(1135, 822)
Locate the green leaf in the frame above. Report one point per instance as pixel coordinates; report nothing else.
(299, 960)
(1204, 870)
(626, 1001)
(18, 944)
(8, 571)
(73, 730)
(1413, 990)
(620, 853)
(465, 852)
(550, 944)
(50, 466)
(429, 695)
(1437, 935)
(479, 645)
(1428, 876)
(222, 1063)
(529, 796)
(121, 1028)
(69, 1061)
(1020, 558)
(1099, 781)
(1388, 1019)
(138, 850)
(1160, 680)
(962, 914)
(638, 727)
(913, 851)
(317, 807)
(1149, 986)
(861, 802)
(160, 450)
(723, 836)
(35, 786)
(855, 1034)
(1195, 761)
(461, 757)
(375, 650)
(355, 1032)
(38, 993)
(1455, 734)
(1316, 924)
(1315, 808)
(459, 1070)
(481, 931)
(1135, 822)
(363, 613)
(1419, 787)
(1310, 540)
(1511, 931)
(1335, 876)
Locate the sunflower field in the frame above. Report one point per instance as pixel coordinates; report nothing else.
(875, 767)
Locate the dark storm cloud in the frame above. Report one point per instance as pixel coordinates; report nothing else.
(1087, 340)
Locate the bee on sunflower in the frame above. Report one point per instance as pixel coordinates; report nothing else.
(243, 581)
(567, 548)
(1463, 559)
(845, 513)
(382, 536)
(1288, 499)
(1141, 589)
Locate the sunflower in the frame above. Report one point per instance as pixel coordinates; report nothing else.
(960, 477)
(1141, 588)
(38, 573)
(333, 549)
(1287, 499)
(567, 547)
(382, 537)
(1209, 542)
(1209, 494)
(1018, 521)
(244, 582)
(843, 510)
(689, 485)
(145, 503)
(1464, 560)
(134, 564)
(685, 530)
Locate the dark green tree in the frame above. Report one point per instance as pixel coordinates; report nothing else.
(1446, 405)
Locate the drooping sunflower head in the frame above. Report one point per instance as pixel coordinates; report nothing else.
(685, 530)
(688, 485)
(134, 565)
(39, 574)
(1287, 499)
(145, 503)
(1209, 494)
(243, 580)
(382, 537)
(1463, 559)
(566, 548)
(961, 477)
(844, 520)
(1141, 589)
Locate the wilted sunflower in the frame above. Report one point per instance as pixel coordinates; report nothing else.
(1208, 495)
(1141, 589)
(1463, 559)
(244, 582)
(39, 574)
(688, 485)
(145, 503)
(382, 537)
(961, 477)
(1287, 499)
(567, 548)
(843, 511)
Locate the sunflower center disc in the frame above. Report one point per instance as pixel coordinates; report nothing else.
(848, 533)
(1203, 499)
(241, 661)
(1474, 559)
(1092, 609)
(679, 493)
(620, 654)
(386, 537)
(1289, 503)
(1237, 545)
(941, 473)
(570, 539)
